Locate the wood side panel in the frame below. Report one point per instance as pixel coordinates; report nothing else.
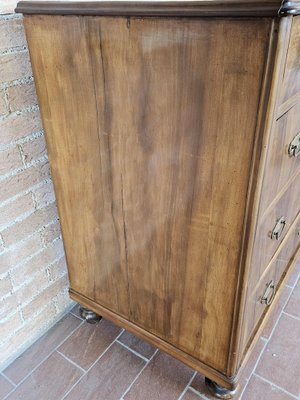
(87, 189)
(147, 118)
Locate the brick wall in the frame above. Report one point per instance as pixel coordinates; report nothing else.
(33, 278)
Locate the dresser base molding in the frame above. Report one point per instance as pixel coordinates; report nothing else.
(219, 391)
(89, 315)
(209, 372)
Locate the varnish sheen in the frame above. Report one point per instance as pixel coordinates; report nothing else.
(172, 131)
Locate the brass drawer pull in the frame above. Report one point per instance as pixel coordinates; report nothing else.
(269, 294)
(278, 228)
(294, 147)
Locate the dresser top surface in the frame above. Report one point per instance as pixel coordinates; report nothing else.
(179, 8)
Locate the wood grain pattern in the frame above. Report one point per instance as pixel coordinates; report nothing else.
(275, 64)
(291, 77)
(281, 167)
(204, 8)
(156, 139)
(285, 205)
(267, 312)
(279, 266)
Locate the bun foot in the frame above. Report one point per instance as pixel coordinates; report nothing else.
(89, 316)
(219, 391)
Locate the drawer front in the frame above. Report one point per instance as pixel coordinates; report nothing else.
(291, 78)
(264, 292)
(274, 225)
(283, 159)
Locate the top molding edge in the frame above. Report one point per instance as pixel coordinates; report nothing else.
(154, 8)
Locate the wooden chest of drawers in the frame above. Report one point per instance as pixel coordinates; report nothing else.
(173, 134)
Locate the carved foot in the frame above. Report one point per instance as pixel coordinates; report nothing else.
(219, 391)
(89, 315)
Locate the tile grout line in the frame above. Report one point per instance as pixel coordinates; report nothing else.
(86, 372)
(274, 385)
(39, 364)
(187, 386)
(291, 315)
(201, 396)
(9, 380)
(267, 342)
(255, 365)
(137, 376)
(133, 351)
(70, 361)
(77, 316)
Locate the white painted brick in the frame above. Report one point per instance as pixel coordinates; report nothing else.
(14, 66)
(16, 126)
(33, 149)
(45, 297)
(50, 233)
(24, 180)
(12, 33)
(27, 334)
(17, 254)
(63, 300)
(44, 195)
(43, 259)
(10, 212)
(10, 325)
(21, 96)
(10, 160)
(28, 226)
(57, 269)
(5, 286)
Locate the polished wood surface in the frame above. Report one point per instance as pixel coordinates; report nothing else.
(287, 206)
(275, 65)
(279, 197)
(282, 166)
(291, 77)
(170, 165)
(153, 240)
(274, 271)
(203, 8)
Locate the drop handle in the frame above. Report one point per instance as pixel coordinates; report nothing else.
(278, 228)
(269, 294)
(294, 146)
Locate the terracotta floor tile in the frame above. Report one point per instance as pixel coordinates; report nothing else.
(50, 381)
(109, 377)
(134, 343)
(293, 305)
(164, 378)
(5, 387)
(191, 396)
(295, 275)
(89, 342)
(27, 361)
(280, 362)
(275, 314)
(258, 389)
